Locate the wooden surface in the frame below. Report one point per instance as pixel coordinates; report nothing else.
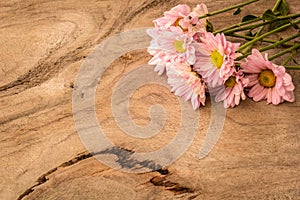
(42, 45)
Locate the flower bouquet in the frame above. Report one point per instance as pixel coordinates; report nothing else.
(199, 60)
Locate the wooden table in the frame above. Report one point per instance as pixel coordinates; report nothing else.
(42, 46)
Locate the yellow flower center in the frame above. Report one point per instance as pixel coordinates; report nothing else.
(179, 46)
(230, 82)
(217, 59)
(267, 78)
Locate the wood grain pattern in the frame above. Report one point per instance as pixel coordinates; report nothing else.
(42, 45)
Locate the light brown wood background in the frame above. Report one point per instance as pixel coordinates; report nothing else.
(42, 45)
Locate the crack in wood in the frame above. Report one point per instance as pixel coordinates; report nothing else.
(43, 179)
(174, 187)
(124, 160)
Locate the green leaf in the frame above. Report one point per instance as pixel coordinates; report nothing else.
(209, 27)
(238, 11)
(269, 15)
(248, 18)
(278, 24)
(283, 8)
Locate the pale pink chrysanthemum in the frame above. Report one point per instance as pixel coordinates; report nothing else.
(186, 83)
(167, 45)
(232, 91)
(192, 23)
(172, 17)
(182, 17)
(159, 60)
(267, 80)
(215, 58)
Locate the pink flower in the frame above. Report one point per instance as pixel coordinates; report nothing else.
(181, 17)
(186, 83)
(194, 24)
(215, 58)
(167, 45)
(267, 80)
(172, 17)
(159, 59)
(233, 90)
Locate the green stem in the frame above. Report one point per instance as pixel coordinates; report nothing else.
(292, 16)
(247, 49)
(228, 9)
(296, 46)
(293, 67)
(286, 61)
(267, 34)
(272, 46)
(237, 25)
(246, 22)
(262, 40)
